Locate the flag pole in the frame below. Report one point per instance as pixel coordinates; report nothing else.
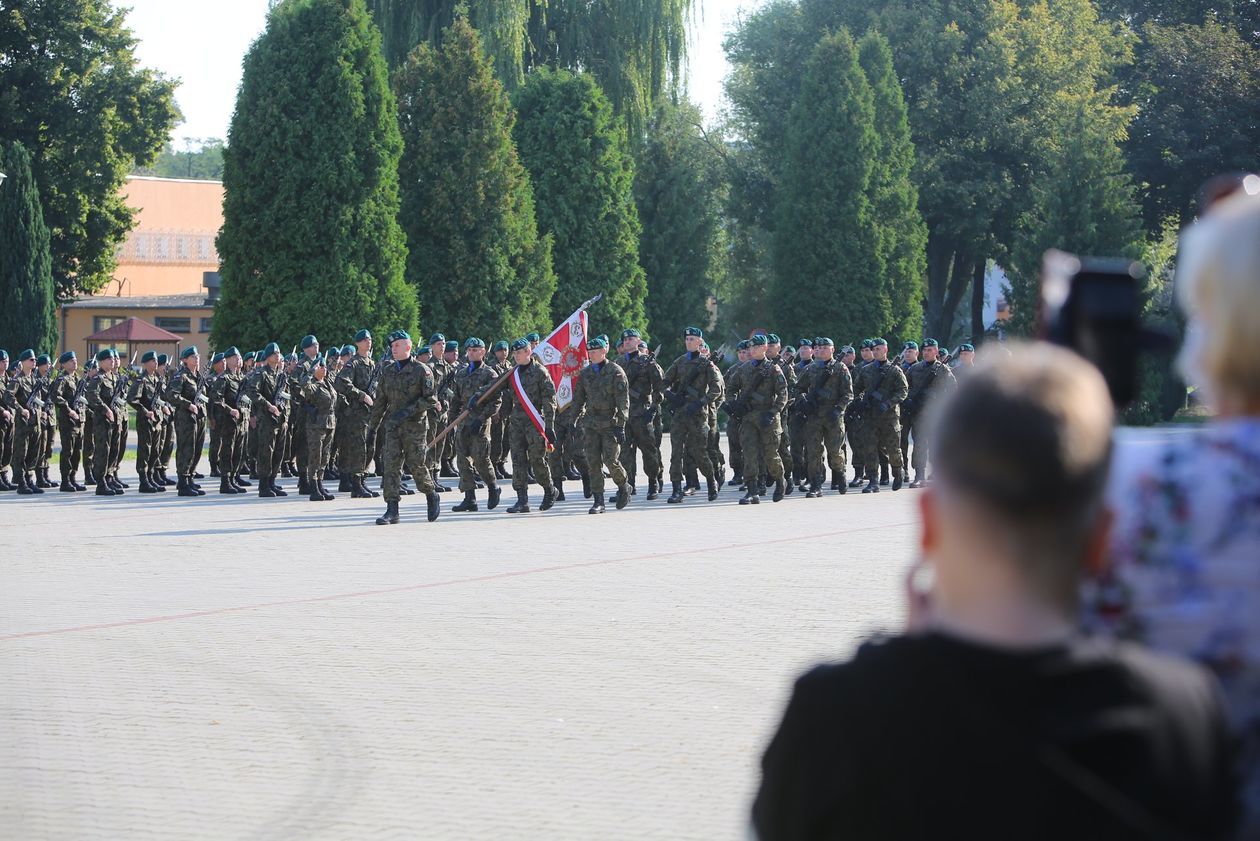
(502, 381)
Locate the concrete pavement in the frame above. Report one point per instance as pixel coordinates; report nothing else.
(230, 667)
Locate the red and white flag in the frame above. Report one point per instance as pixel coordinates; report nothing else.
(564, 352)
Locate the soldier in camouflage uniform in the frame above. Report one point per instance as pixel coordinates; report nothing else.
(299, 417)
(145, 396)
(269, 399)
(106, 398)
(881, 387)
(217, 367)
(319, 401)
(692, 384)
(499, 423)
(826, 391)
(856, 423)
(716, 455)
(166, 449)
(928, 380)
(472, 445)
(357, 383)
(762, 396)
(6, 425)
(71, 402)
(601, 394)
(529, 446)
(229, 407)
(437, 420)
(774, 354)
(47, 421)
(337, 457)
(406, 398)
(796, 418)
(734, 381)
(646, 384)
(187, 396)
(23, 396)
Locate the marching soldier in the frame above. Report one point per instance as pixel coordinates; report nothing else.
(602, 394)
(499, 423)
(532, 401)
(882, 386)
(472, 444)
(734, 382)
(646, 384)
(796, 418)
(437, 420)
(106, 398)
(68, 396)
(928, 380)
(858, 426)
(774, 353)
(691, 385)
(25, 402)
(406, 397)
(186, 394)
(966, 360)
(762, 396)
(145, 396)
(357, 383)
(269, 397)
(826, 392)
(319, 401)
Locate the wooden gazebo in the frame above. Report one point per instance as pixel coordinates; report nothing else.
(133, 331)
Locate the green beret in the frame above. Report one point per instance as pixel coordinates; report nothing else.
(309, 340)
(29, 353)
(847, 349)
(806, 343)
(191, 350)
(473, 341)
(332, 353)
(694, 331)
(759, 339)
(270, 350)
(348, 350)
(362, 334)
(930, 343)
(533, 336)
(149, 356)
(631, 333)
(500, 345)
(879, 341)
(867, 344)
(436, 339)
(773, 339)
(604, 336)
(102, 355)
(597, 342)
(90, 365)
(399, 336)
(910, 346)
(66, 357)
(230, 352)
(4, 354)
(965, 346)
(43, 359)
(248, 356)
(452, 347)
(744, 344)
(163, 359)
(216, 359)
(520, 344)
(823, 341)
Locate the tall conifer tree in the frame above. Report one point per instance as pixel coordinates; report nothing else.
(28, 317)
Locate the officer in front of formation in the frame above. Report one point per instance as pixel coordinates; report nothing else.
(406, 398)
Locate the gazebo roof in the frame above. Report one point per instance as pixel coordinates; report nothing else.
(135, 330)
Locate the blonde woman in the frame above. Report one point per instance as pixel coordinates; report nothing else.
(1184, 571)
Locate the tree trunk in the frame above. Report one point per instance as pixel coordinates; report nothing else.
(940, 254)
(959, 277)
(977, 301)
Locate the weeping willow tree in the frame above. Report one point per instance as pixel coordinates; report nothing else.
(634, 50)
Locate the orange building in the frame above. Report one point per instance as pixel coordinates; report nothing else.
(167, 271)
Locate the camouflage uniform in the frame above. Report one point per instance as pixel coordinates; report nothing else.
(826, 393)
(357, 380)
(406, 399)
(763, 394)
(145, 396)
(734, 383)
(269, 389)
(187, 397)
(527, 445)
(692, 384)
(105, 391)
(319, 401)
(881, 386)
(472, 438)
(645, 380)
(69, 397)
(230, 392)
(785, 444)
(927, 381)
(602, 392)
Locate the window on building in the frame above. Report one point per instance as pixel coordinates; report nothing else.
(206, 324)
(175, 325)
(96, 347)
(104, 322)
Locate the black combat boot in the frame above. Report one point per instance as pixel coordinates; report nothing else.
(264, 488)
(548, 500)
(815, 488)
(572, 473)
(522, 503)
(713, 490)
(184, 489)
(597, 507)
(448, 470)
(883, 473)
(158, 487)
(364, 490)
(146, 486)
(226, 486)
(586, 485)
(558, 484)
(276, 489)
(918, 479)
(119, 487)
(214, 472)
(330, 474)
(304, 485)
(721, 477)
(652, 490)
(896, 486)
(623, 497)
(5, 484)
(343, 484)
(841, 488)
(319, 483)
(677, 496)
(494, 495)
(313, 493)
(241, 482)
(67, 486)
(872, 484)
(779, 490)
(88, 478)
(750, 497)
(167, 480)
(285, 471)
(433, 503)
(42, 480)
(859, 475)
(469, 503)
(390, 517)
(102, 489)
(788, 487)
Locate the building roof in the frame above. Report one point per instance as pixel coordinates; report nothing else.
(141, 302)
(135, 330)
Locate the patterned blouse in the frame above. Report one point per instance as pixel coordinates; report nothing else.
(1185, 563)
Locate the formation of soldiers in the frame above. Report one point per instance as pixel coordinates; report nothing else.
(425, 414)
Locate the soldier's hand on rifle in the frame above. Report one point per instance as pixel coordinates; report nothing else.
(26, 413)
(4, 413)
(74, 416)
(234, 413)
(192, 409)
(437, 406)
(275, 411)
(109, 414)
(367, 400)
(150, 415)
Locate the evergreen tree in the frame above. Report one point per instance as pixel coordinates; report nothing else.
(584, 192)
(829, 273)
(474, 254)
(310, 240)
(677, 190)
(894, 198)
(28, 318)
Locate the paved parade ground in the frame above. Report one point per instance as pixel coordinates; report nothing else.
(230, 667)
